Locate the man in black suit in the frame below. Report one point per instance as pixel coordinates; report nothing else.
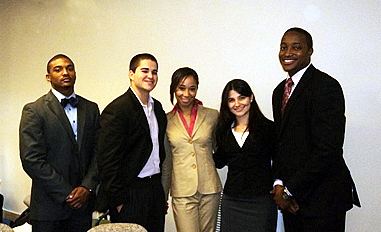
(131, 149)
(58, 136)
(313, 186)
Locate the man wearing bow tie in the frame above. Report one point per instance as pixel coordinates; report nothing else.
(58, 136)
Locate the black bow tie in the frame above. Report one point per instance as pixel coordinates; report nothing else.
(73, 101)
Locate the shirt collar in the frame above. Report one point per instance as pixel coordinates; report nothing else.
(297, 76)
(150, 100)
(60, 96)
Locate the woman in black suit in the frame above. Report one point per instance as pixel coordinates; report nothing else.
(245, 139)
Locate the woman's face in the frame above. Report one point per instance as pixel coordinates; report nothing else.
(238, 104)
(186, 92)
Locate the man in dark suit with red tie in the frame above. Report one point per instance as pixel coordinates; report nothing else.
(131, 151)
(58, 140)
(313, 186)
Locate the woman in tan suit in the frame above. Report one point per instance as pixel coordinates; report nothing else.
(188, 170)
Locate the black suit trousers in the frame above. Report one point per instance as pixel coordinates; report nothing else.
(79, 221)
(144, 205)
(298, 223)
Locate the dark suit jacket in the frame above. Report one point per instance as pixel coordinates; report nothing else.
(125, 146)
(51, 156)
(249, 173)
(311, 134)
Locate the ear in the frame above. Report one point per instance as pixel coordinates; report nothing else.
(311, 51)
(131, 74)
(48, 77)
(251, 98)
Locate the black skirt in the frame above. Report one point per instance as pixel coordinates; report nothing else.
(243, 215)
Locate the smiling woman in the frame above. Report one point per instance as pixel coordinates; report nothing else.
(239, 105)
(186, 94)
(188, 170)
(245, 143)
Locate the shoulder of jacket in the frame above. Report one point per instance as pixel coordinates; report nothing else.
(209, 110)
(38, 102)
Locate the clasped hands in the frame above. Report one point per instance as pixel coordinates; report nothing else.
(78, 197)
(285, 205)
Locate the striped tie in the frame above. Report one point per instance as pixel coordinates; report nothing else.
(286, 94)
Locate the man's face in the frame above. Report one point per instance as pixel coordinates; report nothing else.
(61, 74)
(144, 79)
(294, 53)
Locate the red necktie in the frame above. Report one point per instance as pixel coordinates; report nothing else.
(286, 94)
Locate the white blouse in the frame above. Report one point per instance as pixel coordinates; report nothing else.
(240, 137)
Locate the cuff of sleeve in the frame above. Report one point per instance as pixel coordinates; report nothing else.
(278, 182)
(87, 188)
(287, 192)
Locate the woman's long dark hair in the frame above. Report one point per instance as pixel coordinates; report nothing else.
(227, 117)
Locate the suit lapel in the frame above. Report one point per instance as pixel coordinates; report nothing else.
(58, 110)
(233, 144)
(160, 117)
(179, 124)
(201, 114)
(141, 116)
(81, 119)
(278, 97)
(295, 96)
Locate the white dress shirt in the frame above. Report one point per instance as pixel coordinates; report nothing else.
(71, 112)
(152, 166)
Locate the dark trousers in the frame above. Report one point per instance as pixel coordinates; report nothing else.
(144, 204)
(78, 221)
(297, 223)
(72, 224)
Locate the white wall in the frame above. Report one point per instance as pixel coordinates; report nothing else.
(221, 40)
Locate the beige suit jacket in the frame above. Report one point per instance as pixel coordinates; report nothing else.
(189, 165)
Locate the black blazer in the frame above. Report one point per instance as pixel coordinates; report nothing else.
(51, 156)
(125, 146)
(249, 173)
(310, 138)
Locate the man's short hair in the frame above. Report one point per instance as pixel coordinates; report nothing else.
(58, 56)
(135, 61)
(306, 34)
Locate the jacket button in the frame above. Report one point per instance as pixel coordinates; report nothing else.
(190, 141)
(193, 166)
(192, 154)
